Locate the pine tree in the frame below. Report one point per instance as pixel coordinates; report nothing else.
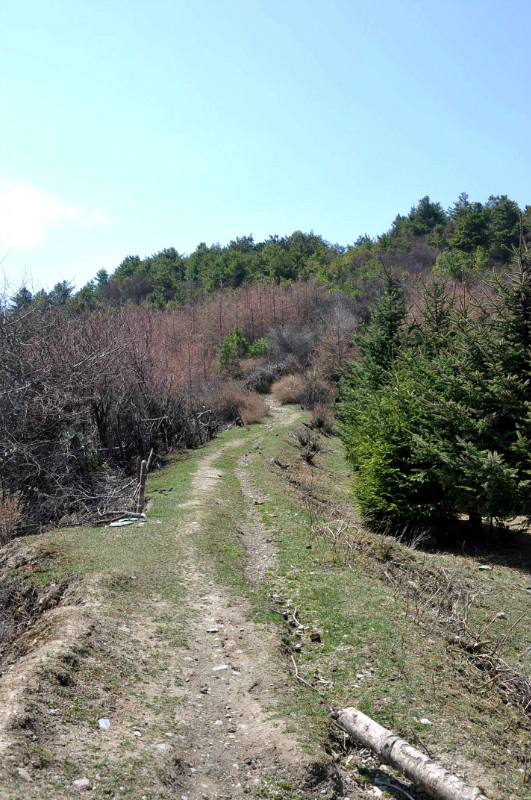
(233, 348)
(381, 341)
(379, 410)
(437, 420)
(478, 391)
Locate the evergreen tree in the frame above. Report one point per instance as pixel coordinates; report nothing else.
(102, 279)
(441, 425)
(233, 348)
(380, 343)
(379, 410)
(22, 299)
(477, 391)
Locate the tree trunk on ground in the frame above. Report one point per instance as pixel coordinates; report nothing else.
(396, 752)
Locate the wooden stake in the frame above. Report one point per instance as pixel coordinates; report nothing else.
(150, 458)
(141, 487)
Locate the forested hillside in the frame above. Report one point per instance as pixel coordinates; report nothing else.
(166, 350)
(461, 243)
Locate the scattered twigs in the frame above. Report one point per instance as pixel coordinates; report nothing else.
(303, 680)
(451, 604)
(322, 680)
(430, 593)
(395, 788)
(434, 593)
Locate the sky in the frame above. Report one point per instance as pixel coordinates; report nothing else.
(130, 126)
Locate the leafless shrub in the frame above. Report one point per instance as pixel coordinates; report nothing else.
(288, 389)
(235, 404)
(263, 376)
(315, 390)
(342, 536)
(337, 324)
(308, 390)
(322, 419)
(309, 443)
(253, 408)
(418, 260)
(286, 340)
(10, 517)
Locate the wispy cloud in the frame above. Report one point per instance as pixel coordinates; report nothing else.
(98, 216)
(28, 215)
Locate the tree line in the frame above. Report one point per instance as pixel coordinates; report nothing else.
(461, 242)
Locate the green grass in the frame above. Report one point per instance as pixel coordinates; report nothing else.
(409, 671)
(409, 674)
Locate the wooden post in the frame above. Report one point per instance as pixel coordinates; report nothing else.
(141, 487)
(392, 750)
(150, 459)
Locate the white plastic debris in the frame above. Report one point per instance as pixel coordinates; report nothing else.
(220, 668)
(425, 721)
(104, 723)
(81, 783)
(121, 522)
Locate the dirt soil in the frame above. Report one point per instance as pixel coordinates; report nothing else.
(221, 737)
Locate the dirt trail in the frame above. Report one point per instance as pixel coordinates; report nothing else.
(233, 671)
(219, 736)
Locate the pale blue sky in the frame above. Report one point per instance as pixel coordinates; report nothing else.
(131, 126)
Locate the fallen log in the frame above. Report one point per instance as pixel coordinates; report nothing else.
(396, 752)
(114, 516)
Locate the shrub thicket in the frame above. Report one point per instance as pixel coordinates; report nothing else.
(263, 376)
(288, 389)
(84, 396)
(233, 403)
(81, 400)
(322, 419)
